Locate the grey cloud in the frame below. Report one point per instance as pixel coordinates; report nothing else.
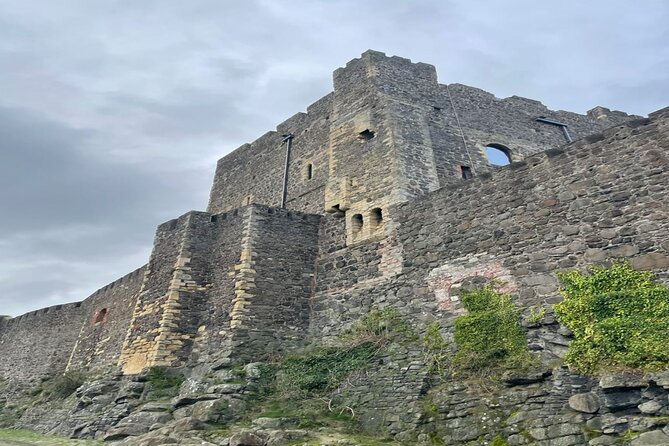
(113, 113)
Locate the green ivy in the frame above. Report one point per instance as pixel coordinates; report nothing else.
(489, 338)
(619, 317)
(323, 369)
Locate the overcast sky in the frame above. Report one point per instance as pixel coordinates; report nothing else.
(113, 113)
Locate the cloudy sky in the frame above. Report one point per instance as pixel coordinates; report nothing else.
(113, 113)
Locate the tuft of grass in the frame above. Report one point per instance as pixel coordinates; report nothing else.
(499, 441)
(42, 440)
(164, 382)
(435, 349)
(60, 387)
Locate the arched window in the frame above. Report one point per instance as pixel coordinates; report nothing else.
(498, 155)
(376, 217)
(356, 224)
(100, 316)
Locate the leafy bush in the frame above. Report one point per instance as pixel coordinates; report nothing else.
(62, 386)
(619, 317)
(489, 338)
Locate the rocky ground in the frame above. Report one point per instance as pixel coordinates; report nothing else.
(233, 405)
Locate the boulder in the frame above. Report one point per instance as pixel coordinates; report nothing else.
(126, 430)
(246, 439)
(604, 440)
(516, 379)
(276, 423)
(253, 370)
(188, 424)
(622, 399)
(662, 379)
(584, 402)
(650, 407)
(285, 437)
(653, 438)
(187, 400)
(222, 410)
(622, 381)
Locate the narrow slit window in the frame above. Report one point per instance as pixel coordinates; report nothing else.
(366, 135)
(310, 171)
(466, 172)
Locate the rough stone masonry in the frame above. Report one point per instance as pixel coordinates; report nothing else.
(390, 201)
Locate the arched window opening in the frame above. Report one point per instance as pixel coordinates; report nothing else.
(377, 217)
(356, 223)
(100, 316)
(310, 171)
(498, 155)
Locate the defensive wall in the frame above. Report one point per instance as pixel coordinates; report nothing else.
(82, 335)
(221, 285)
(381, 210)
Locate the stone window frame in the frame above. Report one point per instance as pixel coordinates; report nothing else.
(500, 148)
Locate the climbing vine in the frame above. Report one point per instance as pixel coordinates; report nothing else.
(489, 338)
(619, 317)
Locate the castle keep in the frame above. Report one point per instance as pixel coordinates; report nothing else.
(381, 194)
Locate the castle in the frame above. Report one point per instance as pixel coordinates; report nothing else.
(381, 194)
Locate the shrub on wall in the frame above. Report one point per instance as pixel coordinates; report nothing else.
(619, 317)
(489, 338)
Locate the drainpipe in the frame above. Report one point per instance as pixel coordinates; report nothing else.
(562, 125)
(288, 140)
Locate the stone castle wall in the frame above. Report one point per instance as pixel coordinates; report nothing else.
(39, 343)
(388, 132)
(108, 312)
(248, 279)
(85, 335)
(599, 199)
(228, 284)
(596, 200)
